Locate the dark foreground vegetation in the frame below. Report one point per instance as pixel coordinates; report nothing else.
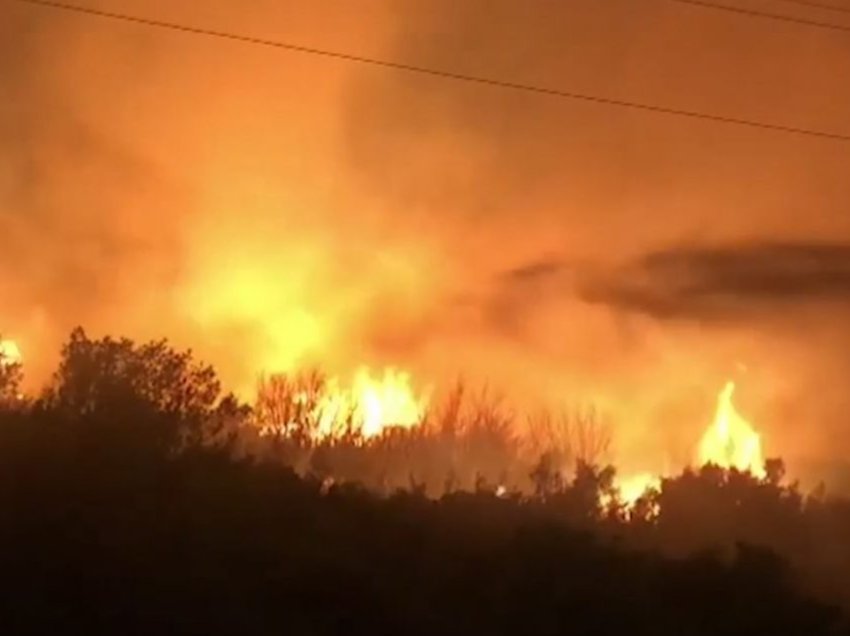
(128, 506)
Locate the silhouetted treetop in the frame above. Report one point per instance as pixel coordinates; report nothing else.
(127, 384)
(10, 381)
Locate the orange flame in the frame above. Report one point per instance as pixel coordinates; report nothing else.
(373, 404)
(633, 487)
(389, 401)
(731, 442)
(367, 408)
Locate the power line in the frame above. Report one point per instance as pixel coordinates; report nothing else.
(422, 70)
(755, 13)
(818, 5)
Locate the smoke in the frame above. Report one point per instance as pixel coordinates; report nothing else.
(731, 282)
(161, 184)
(274, 210)
(541, 201)
(88, 222)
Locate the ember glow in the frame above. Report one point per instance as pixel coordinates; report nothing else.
(731, 442)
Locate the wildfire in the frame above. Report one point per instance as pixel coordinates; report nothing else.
(367, 408)
(731, 442)
(10, 353)
(313, 408)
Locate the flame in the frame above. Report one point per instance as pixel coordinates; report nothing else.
(10, 353)
(731, 442)
(389, 401)
(371, 405)
(247, 299)
(633, 487)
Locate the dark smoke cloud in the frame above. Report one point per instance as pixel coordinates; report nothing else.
(533, 271)
(729, 282)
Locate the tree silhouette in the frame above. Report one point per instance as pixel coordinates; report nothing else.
(11, 374)
(289, 406)
(147, 396)
(10, 382)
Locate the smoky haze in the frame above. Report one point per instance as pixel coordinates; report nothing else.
(274, 210)
(566, 205)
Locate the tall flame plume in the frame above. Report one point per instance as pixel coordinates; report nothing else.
(731, 442)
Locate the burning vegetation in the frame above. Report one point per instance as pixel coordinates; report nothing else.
(406, 438)
(466, 442)
(310, 411)
(320, 408)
